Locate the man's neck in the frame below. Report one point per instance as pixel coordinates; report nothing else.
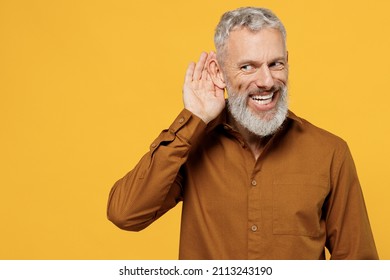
(255, 142)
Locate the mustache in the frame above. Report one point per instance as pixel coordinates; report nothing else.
(282, 88)
(260, 91)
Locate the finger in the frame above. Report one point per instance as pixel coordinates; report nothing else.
(199, 66)
(189, 72)
(208, 77)
(205, 72)
(211, 56)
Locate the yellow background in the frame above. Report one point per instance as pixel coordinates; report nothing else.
(86, 86)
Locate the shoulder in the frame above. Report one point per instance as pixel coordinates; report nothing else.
(311, 134)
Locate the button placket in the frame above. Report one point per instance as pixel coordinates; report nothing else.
(253, 202)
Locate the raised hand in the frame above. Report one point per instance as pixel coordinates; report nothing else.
(200, 95)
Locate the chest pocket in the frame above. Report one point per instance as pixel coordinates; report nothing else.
(297, 204)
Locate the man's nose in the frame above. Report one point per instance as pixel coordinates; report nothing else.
(264, 78)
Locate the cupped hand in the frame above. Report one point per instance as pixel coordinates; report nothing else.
(200, 95)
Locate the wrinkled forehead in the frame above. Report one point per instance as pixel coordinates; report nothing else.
(245, 32)
(243, 41)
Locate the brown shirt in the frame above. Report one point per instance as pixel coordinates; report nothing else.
(300, 195)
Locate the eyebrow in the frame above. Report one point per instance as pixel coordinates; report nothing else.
(251, 61)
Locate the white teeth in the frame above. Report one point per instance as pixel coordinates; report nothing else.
(263, 100)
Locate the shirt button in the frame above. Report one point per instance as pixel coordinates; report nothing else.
(181, 120)
(254, 228)
(254, 183)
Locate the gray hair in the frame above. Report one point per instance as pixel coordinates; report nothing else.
(250, 17)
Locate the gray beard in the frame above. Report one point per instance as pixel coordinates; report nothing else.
(263, 124)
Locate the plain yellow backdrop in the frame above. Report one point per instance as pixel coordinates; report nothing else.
(86, 86)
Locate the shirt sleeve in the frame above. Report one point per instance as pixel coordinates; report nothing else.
(349, 234)
(155, 184)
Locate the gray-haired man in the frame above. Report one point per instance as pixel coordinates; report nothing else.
(256, 181)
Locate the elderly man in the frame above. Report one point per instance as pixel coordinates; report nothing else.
(256, 181)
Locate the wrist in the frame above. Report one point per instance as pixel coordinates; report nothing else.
(204, 118)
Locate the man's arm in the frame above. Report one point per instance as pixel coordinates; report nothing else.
(349, 234)
(155, 185)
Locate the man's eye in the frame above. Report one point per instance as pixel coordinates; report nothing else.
(276, 65)
(247, 67)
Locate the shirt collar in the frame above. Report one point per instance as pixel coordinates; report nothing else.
(294, 117)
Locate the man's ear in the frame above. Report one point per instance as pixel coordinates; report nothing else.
(215, 72)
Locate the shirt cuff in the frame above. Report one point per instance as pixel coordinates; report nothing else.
(188, 126)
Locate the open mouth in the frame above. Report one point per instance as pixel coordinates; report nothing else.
(263, 99)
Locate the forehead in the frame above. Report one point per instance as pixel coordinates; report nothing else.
(263, 44)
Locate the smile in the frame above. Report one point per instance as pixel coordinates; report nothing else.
(263, 99)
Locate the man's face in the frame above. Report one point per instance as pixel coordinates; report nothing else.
(256, 72)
